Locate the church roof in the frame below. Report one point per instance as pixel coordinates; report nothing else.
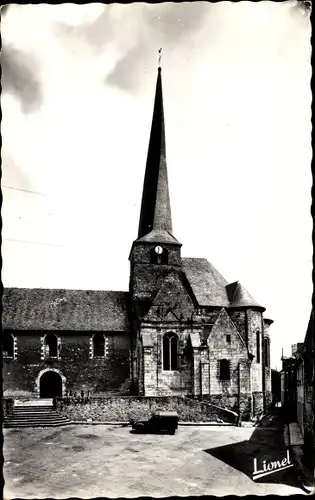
(239, 296)
(159, 235)
(74, 310)
(206, 282)
(211, 289)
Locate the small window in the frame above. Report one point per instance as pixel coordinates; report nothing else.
(228, 339)
(99, 345)
(170, 350)
(258, 346)
(8, 345)
(51, 346)
(225, 369)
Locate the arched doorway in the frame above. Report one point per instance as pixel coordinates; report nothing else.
(50, 385)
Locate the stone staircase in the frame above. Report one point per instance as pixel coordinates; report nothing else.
(36, 413)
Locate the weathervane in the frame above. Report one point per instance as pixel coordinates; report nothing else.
(159, 61)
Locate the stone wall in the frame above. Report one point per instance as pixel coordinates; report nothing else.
(146, 278)
(246, 406)
(236, 403)
(239, 319)
(231, 348)
(258, 402)
(109, 374)
(7, 406)
(167, 383)
(255, 324)
(122, 409)
(268, 399)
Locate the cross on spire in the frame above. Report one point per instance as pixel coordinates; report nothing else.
(160, 56)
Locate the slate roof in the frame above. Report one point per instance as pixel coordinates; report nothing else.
(94, 310)
(72, 310)
(159, 236)
(239, 296)
(211, 289)
(206, 282)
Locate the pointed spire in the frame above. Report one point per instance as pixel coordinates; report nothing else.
(156, 208)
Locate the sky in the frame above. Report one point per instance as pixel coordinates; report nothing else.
(78, 89)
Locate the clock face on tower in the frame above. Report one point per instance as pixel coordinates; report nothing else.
(158, 250)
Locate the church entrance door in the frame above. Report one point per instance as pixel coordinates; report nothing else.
(50, 385)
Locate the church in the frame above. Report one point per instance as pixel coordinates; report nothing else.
(180, 330)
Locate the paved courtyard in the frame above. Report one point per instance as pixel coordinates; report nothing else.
(91, 461)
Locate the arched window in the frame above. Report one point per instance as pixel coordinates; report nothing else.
(99, 345)
(51, 346)
(258, 346)
(159, 255)
(8, 345)
(170, 349)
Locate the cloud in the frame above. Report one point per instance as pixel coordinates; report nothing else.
(20, 77)
(143, 29)
(168, 24)
(95, 32)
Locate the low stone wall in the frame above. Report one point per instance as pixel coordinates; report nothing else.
(21, 395)
(7, 406)
(268, 399)
(122, 409)
(234, 403)
(258, 402)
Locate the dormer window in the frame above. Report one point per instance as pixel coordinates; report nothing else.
(159, 255)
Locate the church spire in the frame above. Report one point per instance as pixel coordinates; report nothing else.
(155, 215)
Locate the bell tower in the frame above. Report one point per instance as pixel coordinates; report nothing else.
(156, 251)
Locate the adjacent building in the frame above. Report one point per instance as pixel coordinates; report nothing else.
(297, 389)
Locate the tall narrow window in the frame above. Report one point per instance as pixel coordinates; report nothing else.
(170, 349)
(99, 345)
(225, 369)
(266, 352)
(8, 345)
(258, 346)
(51, 346)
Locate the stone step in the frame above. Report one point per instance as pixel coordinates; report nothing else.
(33, 408)
(34, 418)
(34, 402)
(30, 415)
(14, 424)
(41, 409)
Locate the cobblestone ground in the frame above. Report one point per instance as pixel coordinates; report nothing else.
(91, 461)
